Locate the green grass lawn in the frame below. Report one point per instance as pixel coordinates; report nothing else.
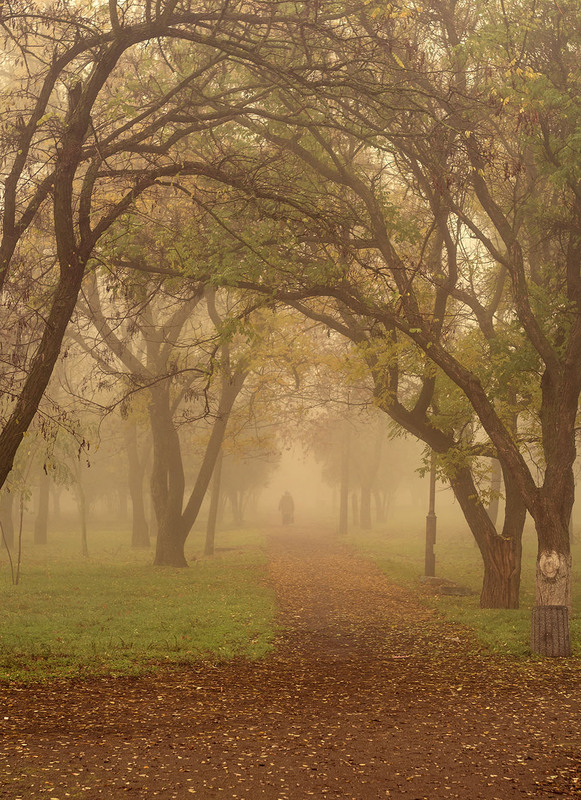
(398, 549)
(114, 613)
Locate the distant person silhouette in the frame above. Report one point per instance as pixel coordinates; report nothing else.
(287, 508)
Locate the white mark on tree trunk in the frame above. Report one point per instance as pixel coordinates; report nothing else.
(554, 579)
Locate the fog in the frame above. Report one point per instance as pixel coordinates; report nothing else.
(94, 493)
(317, 501)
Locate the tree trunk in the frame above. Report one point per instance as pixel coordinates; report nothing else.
(214, 505)
(502, 566)
(56, 500)
(122, 502)
(553, 578)
(169, 551)
(501, 554)
(140, 528)
(65, 297)
(167, 480)
(236, 508)
(495, 486)
(550, 631)
(231, 387)
(41, 521)
(368, 478)
(82, 506)
(365, 515)
(553, 574)
(344, 488)
(355, 509)
(380, 510)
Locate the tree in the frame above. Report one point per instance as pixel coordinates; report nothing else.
(472, 116)
(161, 351)
(136, 463)
(314, 264)
(94, 118)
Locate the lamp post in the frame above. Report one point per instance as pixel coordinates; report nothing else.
(431, 520)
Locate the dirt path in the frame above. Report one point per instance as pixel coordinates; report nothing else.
(368, 696)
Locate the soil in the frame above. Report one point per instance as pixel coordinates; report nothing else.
(369, 694)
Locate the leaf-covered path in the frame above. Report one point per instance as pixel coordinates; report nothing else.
(368, 695)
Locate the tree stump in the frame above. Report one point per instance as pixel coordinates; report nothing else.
(550, 631)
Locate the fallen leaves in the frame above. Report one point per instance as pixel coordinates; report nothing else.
(367, 695)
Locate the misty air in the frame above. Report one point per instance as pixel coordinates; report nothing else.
(290, 367)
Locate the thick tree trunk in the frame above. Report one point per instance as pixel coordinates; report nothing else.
(553, 577)
(502, 567)
(167, 480)
(169, 551)
(551, 507)
(550, 635)
(41, 521)
(502, 562)
(501, 554)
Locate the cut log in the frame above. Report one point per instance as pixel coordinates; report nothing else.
(550, 631)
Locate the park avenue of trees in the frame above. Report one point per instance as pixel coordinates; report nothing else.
(403, 176)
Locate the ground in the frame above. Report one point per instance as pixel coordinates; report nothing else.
(368, 695)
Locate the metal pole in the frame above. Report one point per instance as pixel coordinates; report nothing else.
(431, 521)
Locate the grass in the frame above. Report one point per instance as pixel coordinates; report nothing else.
(115, 614)
(399, 551)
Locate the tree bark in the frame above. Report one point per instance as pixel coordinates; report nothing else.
(502, 567)
(167, 480)
(553, 573)
(501, 554)
(550, 631)
(495, 485)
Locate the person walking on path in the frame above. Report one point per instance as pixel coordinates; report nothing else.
(287, 508)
